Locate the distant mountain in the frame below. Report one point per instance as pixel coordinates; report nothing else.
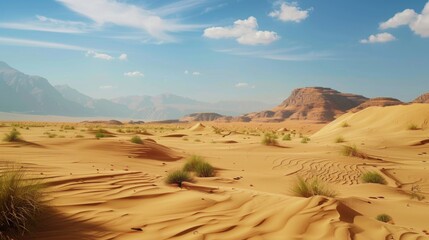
(424, 98)
(23, 93)
(377, 102)
(201, 117)
(98, 107)
(311, 103)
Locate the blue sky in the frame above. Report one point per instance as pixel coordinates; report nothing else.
(221, 49)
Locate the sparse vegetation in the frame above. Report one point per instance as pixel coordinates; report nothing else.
(178, 176)
(287, 137)
(20, 203)
(192, 163)
(373, 177)
(384, 218)
(413, 126)
(100, 135)
(416, 192)
(339, 140)
(305, 140)
(79, 136)
(13, 136)
(352, 151)
(345, 124)
(270, 139)
(312, 187)
(198, 165)
(136, 140)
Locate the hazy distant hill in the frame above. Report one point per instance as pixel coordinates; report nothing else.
(33, 95)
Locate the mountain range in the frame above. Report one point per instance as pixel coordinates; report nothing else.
(22, 93)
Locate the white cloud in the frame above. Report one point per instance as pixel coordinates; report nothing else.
(186, 72)
(280, 55)
(134, 74)
(45, 24)
(418, 23)
(379, 38)
(403, 18)
(289, 12)
(244, 85)
(102, 56)
(196, 73)
(42, 44)
(123, 14)
(106, 87)
(244, 31)
(123, 57)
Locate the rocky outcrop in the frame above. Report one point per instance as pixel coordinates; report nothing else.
(424, 98)
(377, 102)
(201, 117)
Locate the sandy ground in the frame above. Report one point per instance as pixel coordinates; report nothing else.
(111, 188)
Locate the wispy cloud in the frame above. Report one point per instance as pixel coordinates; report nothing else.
(244, 85)
(98, 55)
(106, 87)
(42, 44)
(291, 54)
(134, 74)
(120, 13)
(244, 31)
(45, 24)
(379, 38)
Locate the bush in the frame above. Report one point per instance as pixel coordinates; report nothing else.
(412, 126)
(352, 151)
(345, 124)
(204, 170)
(305, 140)
(309, 188)
(373, 177)
(178, 176)
(100, 135)
(136, 139)
(384, 218)
(269, 139)
(339, 140)
(20, 203)
(287, 137)
(192, 163)
(13, 136)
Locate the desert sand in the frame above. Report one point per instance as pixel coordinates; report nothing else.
(110, 188)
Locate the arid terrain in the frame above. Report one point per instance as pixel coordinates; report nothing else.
(111, 188)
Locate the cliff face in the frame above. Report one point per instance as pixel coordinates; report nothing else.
(424, 98)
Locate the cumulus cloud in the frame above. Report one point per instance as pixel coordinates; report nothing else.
(123, 57)
(244, 85)
(379, 38)
(134, 74)
(289, 12)
(102, 56)
(418, 23)
(244, 31)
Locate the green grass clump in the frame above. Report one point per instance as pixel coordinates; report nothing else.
(100, 135)
(373, 177)
(305, 140)
(198, 165)
(339, 140)
(413, 126)
(345, 124)
(136, 139)
(20, 203)
(178, 176)
(352, 151)
(192, 163)
(287, 137)
(13, 136)
(384, 218)
(312, 187)
(269, 139)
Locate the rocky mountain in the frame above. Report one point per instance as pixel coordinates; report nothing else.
(311, 103)
(23, 93)
(98, 107)
(379, 102)
(201, 117)
(424, 98)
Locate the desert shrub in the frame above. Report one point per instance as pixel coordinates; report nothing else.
(52, 135)
(287, 137)
(13, 136)
(339, 140)
(312, 187)
(345, 124)
(352, 151)
(305, 140)
(100, 135)
(269, 139)
(136, 139)
(416, 192)
(413, 126)
(197, 140)
(178, 176)
(120, 130)
(373, 177)
(192, 163)
(20, 203)
(79, 136)
(384, 218)
(204, 169)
